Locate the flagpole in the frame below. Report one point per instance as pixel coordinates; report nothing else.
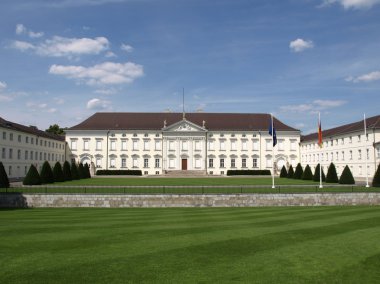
(365, 152)
(272, 152)
(320, 160)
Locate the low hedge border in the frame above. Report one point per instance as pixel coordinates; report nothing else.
(248, 173)
(118, 173)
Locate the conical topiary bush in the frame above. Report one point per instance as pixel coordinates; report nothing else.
(332, 177)
(46, 173)
(283, 173)
(290, 172)
(66, 171)
(32, 177)
(376, 178)
(58, 173)
(298, 173)
(4, 181)
(316, 176)
(74, 171)
(87, 170)
(81, 172)
(346, 176)
(307, 174)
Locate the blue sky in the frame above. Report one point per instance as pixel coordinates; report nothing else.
(62, 61)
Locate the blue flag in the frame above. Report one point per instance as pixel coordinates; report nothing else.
(273, 129)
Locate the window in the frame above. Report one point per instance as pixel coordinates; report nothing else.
(255, 162)
(233, 145)
(222, 145)
(359, 154)
(123, 162)
(45, 156)
(293, 145)
(31, 155)
(146, 163)
(135, 163)
(26, 139)
(222, 163)
(19, 138)
(86, 145)
(332, 156)
(171, 146)
(281, 144)
(359, 138)
(4, 135)
(268, 143)
(210, 163)
(73, 144)
(19, 154)
(26, 155)
(378, 152)
(367, 153)
(112, 163)
(10, 153)
(98, 145)
(40, 156)
(10, 171)
(157, 163)
(171, 163)
(269, 162)
(233, 163)
(48, 156)
(135, 145)
(113, 145)
(211, 145)
(255, 145)
(98, 162)
(31, 140)
(350, 154)
(197, 145)
(350, 139)
(146, 145)
(342, 155)
(11, 136)
(157, 145)
(3, 153)
(184, 145)
(337, 156)
(123, 145)
(243, 163)
(197, 163)
(342, 141)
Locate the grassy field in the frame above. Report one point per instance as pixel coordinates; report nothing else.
(191, 245)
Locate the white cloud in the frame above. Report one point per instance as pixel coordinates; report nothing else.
(324, 104)
(126, 48)
(35, 34)
(110, 54)
(59, 101)
(369, 77)
(110, 91)
(352, 4)
(2, 85)
(22, 45)
(107, 73)
(52, 110)
(313, 107)
(77, 3)
(300, 45)
(21, 29)
(98, 104)
(4, 97)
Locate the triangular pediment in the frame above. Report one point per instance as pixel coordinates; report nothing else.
(184, 126)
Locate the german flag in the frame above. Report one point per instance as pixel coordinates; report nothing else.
(320, 142)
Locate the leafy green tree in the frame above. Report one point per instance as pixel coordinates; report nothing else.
(376, 178)
(81, 171)
(316, 174)
(55, 129)
(74, 171)
(307, 173)
(290, 172)
(46, 173)
(283, 173)
(58, 172)
(32, 177)
(346, 176)
(299, 171)
(332, 176)
(67, 171)
(4, 181)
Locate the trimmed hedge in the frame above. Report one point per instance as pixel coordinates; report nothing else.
(118, 173)
(307, 173)
(248, 173)
(4, 181)
(32, 177)
(66, 171)
(316, 176)
(81, 172)
(87, 170)
(74, 171)
(376, 178)
(299, 171)
(332, 177)
(346, 176)
(283, 173)
(46, 173)
(290, 172)
(58, 173)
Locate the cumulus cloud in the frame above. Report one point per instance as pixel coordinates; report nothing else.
(98, 104)
(300, 45)
(110, 54)
(369, 77)
(21, 29)
(107, 73)
(126, 48)
(41, 107)
(313, 107)
(4, 97)
(2, 85)
(65, 47)
(351, 4)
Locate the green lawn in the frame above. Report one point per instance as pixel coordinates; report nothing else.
(191, 245)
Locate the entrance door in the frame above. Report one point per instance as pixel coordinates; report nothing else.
(184, 164)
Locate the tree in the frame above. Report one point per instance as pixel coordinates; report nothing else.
(81, 171)
(55, 129)
(4, 181)
(316, 176)
(66, 171)
(346, 176)
(299, 171)
(46, 173)
(32, 177)
(290, 172)
(74, 171)
(283, 173)
(307, 173)
(376, 178)
(332, 177)
(87, 170)
(58, 173)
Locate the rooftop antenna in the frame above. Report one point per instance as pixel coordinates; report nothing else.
(183, 103)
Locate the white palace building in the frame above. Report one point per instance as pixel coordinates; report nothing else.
(206, 143)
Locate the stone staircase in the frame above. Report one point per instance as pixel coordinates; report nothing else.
(187, 173)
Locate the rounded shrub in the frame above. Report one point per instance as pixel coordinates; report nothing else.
(74, 171)
(66, 171)
(376, 178)
(283, 173)
(332, 177)
(46, 173)
(307, 173)
(299, 171)
(4, 181)
(316, 176)
(290, 172)
(346, 176)
(58, 172)
(32, 177)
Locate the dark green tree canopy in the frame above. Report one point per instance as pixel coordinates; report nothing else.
(4, 181)
(283, 173)
(58, 172)
(332, 176)
(299, 171)
(32, 177)
(290, 172)
(376, 178)
(307, 174)
(55, 129)
(346, 176)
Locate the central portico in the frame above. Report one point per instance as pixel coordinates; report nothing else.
(184, 146)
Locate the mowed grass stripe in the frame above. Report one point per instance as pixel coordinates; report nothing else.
(173, 247)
